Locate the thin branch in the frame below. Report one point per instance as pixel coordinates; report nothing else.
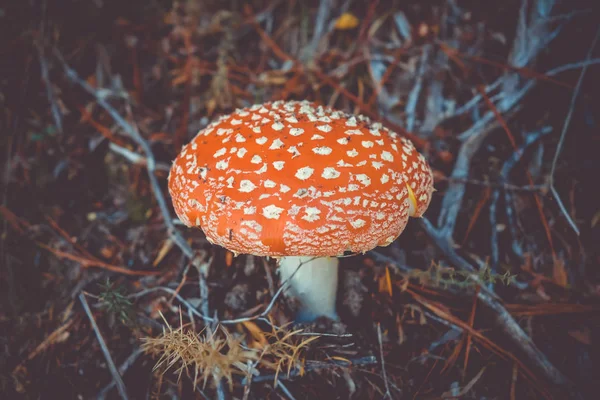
(309, 52)
(39, 44)
(134, 157)
(130, 130)
(109, 361)
(206, 318)
(316, 365)
(281, 289)
(122, 369)
(564, 134)
(512, 330)
(388, 393)
(413, 97)
(175, 294)
(285, 390)
(56, 114)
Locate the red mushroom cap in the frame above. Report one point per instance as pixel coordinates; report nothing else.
(294, 178)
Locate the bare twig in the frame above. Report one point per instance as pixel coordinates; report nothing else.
(281, 289)
(524, 50)
(504, 175)
(86, 263)
(134, 157)
(383, 371)
(413, 97)
(56, 114)
(309, 52)
(122, 369)
(285, 390)
(512, 330)
(564, 134)
(109, 361)
(130, 130)
(317, 365)
(174, 293)
(203, 315)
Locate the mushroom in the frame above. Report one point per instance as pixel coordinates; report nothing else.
(304, 184)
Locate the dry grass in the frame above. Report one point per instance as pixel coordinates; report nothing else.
(284, 350)
(216, 355)
(219, 355)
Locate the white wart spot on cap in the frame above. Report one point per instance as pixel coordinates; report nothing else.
(351, 122)
(364, 179)
(252, 224)
(256, 159)
(277, 126)
(220, 152)
(294, 151)
(375, 131)
(276, 145)
(304, 173)
(272, 211)
(222, 165)
(223, 131)
(367, 144)
(311, 214)
(352, 153)
(261, 140)
(296, 131)
(203, 172)
(330, 173)
(246, 186)
(278, 165)
(387, 156)
(358, 223)
(324, 128)
(354, 132)
(322, 150)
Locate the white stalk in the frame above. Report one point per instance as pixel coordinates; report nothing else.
(314, 285)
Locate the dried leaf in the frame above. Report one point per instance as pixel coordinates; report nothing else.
(385, 283)
(256, 332)
(595, 219)
(164, 250)
(346, 21)
(559, 273)
(583, 335)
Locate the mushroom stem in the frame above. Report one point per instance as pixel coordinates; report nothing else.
(314, 285)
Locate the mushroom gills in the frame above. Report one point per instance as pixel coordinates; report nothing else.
(313, 282)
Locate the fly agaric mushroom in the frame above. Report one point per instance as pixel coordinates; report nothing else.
(295, 181)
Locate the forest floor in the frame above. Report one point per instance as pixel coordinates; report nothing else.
(494, 294)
